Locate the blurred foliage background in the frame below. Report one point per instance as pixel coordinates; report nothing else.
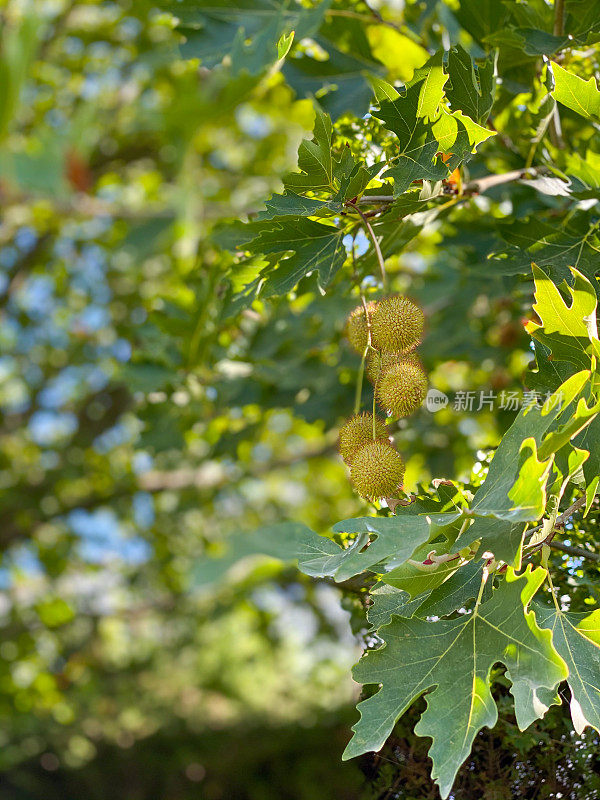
(147, 415)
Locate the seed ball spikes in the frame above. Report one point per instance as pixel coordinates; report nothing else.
(358, 431)
(357, 331)
(377, 470)
(402, 388)
(397, 324)
(378, 363)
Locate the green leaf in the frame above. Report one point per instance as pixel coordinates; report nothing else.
(471, 88)
(514, 488)
(532, 41)
(343, 178)
(416, 579)
(549, 374)
(353, 178)
(296, 205)
(429, 80)
(455, 586)
(315, 161)
(584, 173)
(576, 638)
(459, 136)
(223, 27)
(254, 56)
(583, 20)
(395, 537)
(424, 128)
(554, 247)
(589, 439)
(388, 601)
(409, 116)
(393, 232)
(316, 555)
(340, 82)
(315, 247)
(573, 92)
(513, 493)
(567, 330)
(284, 44)
(481, 17)
(454, 593)
(452, 660)
(290, 542)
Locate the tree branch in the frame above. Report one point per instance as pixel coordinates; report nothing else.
(480, 185)
(476, 186)
(560, 520)
(374, 17)
(575, 551)
(559, 17)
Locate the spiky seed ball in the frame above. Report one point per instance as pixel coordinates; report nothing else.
(402, 387)
(356, 327)
(377, 470)
(396, 325)
(357, 432)
(377, 363)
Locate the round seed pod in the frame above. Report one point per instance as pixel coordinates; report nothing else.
(402, 387)
(357, 432)
(397, 325)
(378, 363)
(377, 470)
(357, 331)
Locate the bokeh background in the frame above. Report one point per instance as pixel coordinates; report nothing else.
(147, 414)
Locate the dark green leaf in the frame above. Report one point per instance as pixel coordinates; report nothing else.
(453, 659)
(316, 248)
(471, 88)
(576, 638)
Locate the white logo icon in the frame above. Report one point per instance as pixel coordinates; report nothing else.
(435, 400)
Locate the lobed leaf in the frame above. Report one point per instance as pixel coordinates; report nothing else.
(576, 638)
(452, 661)
(573, 92)
(567, 330)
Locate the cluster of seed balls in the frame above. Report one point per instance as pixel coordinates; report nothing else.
(391, 329)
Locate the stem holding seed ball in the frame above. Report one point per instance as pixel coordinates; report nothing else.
(371, 233)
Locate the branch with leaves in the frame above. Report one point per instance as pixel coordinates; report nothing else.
(448, 560)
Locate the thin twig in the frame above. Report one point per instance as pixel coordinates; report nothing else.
(367, 199)
(371, 232)
(361, 371)
(359, 381)
(381, 20)
(560, 520)
(373, 17)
